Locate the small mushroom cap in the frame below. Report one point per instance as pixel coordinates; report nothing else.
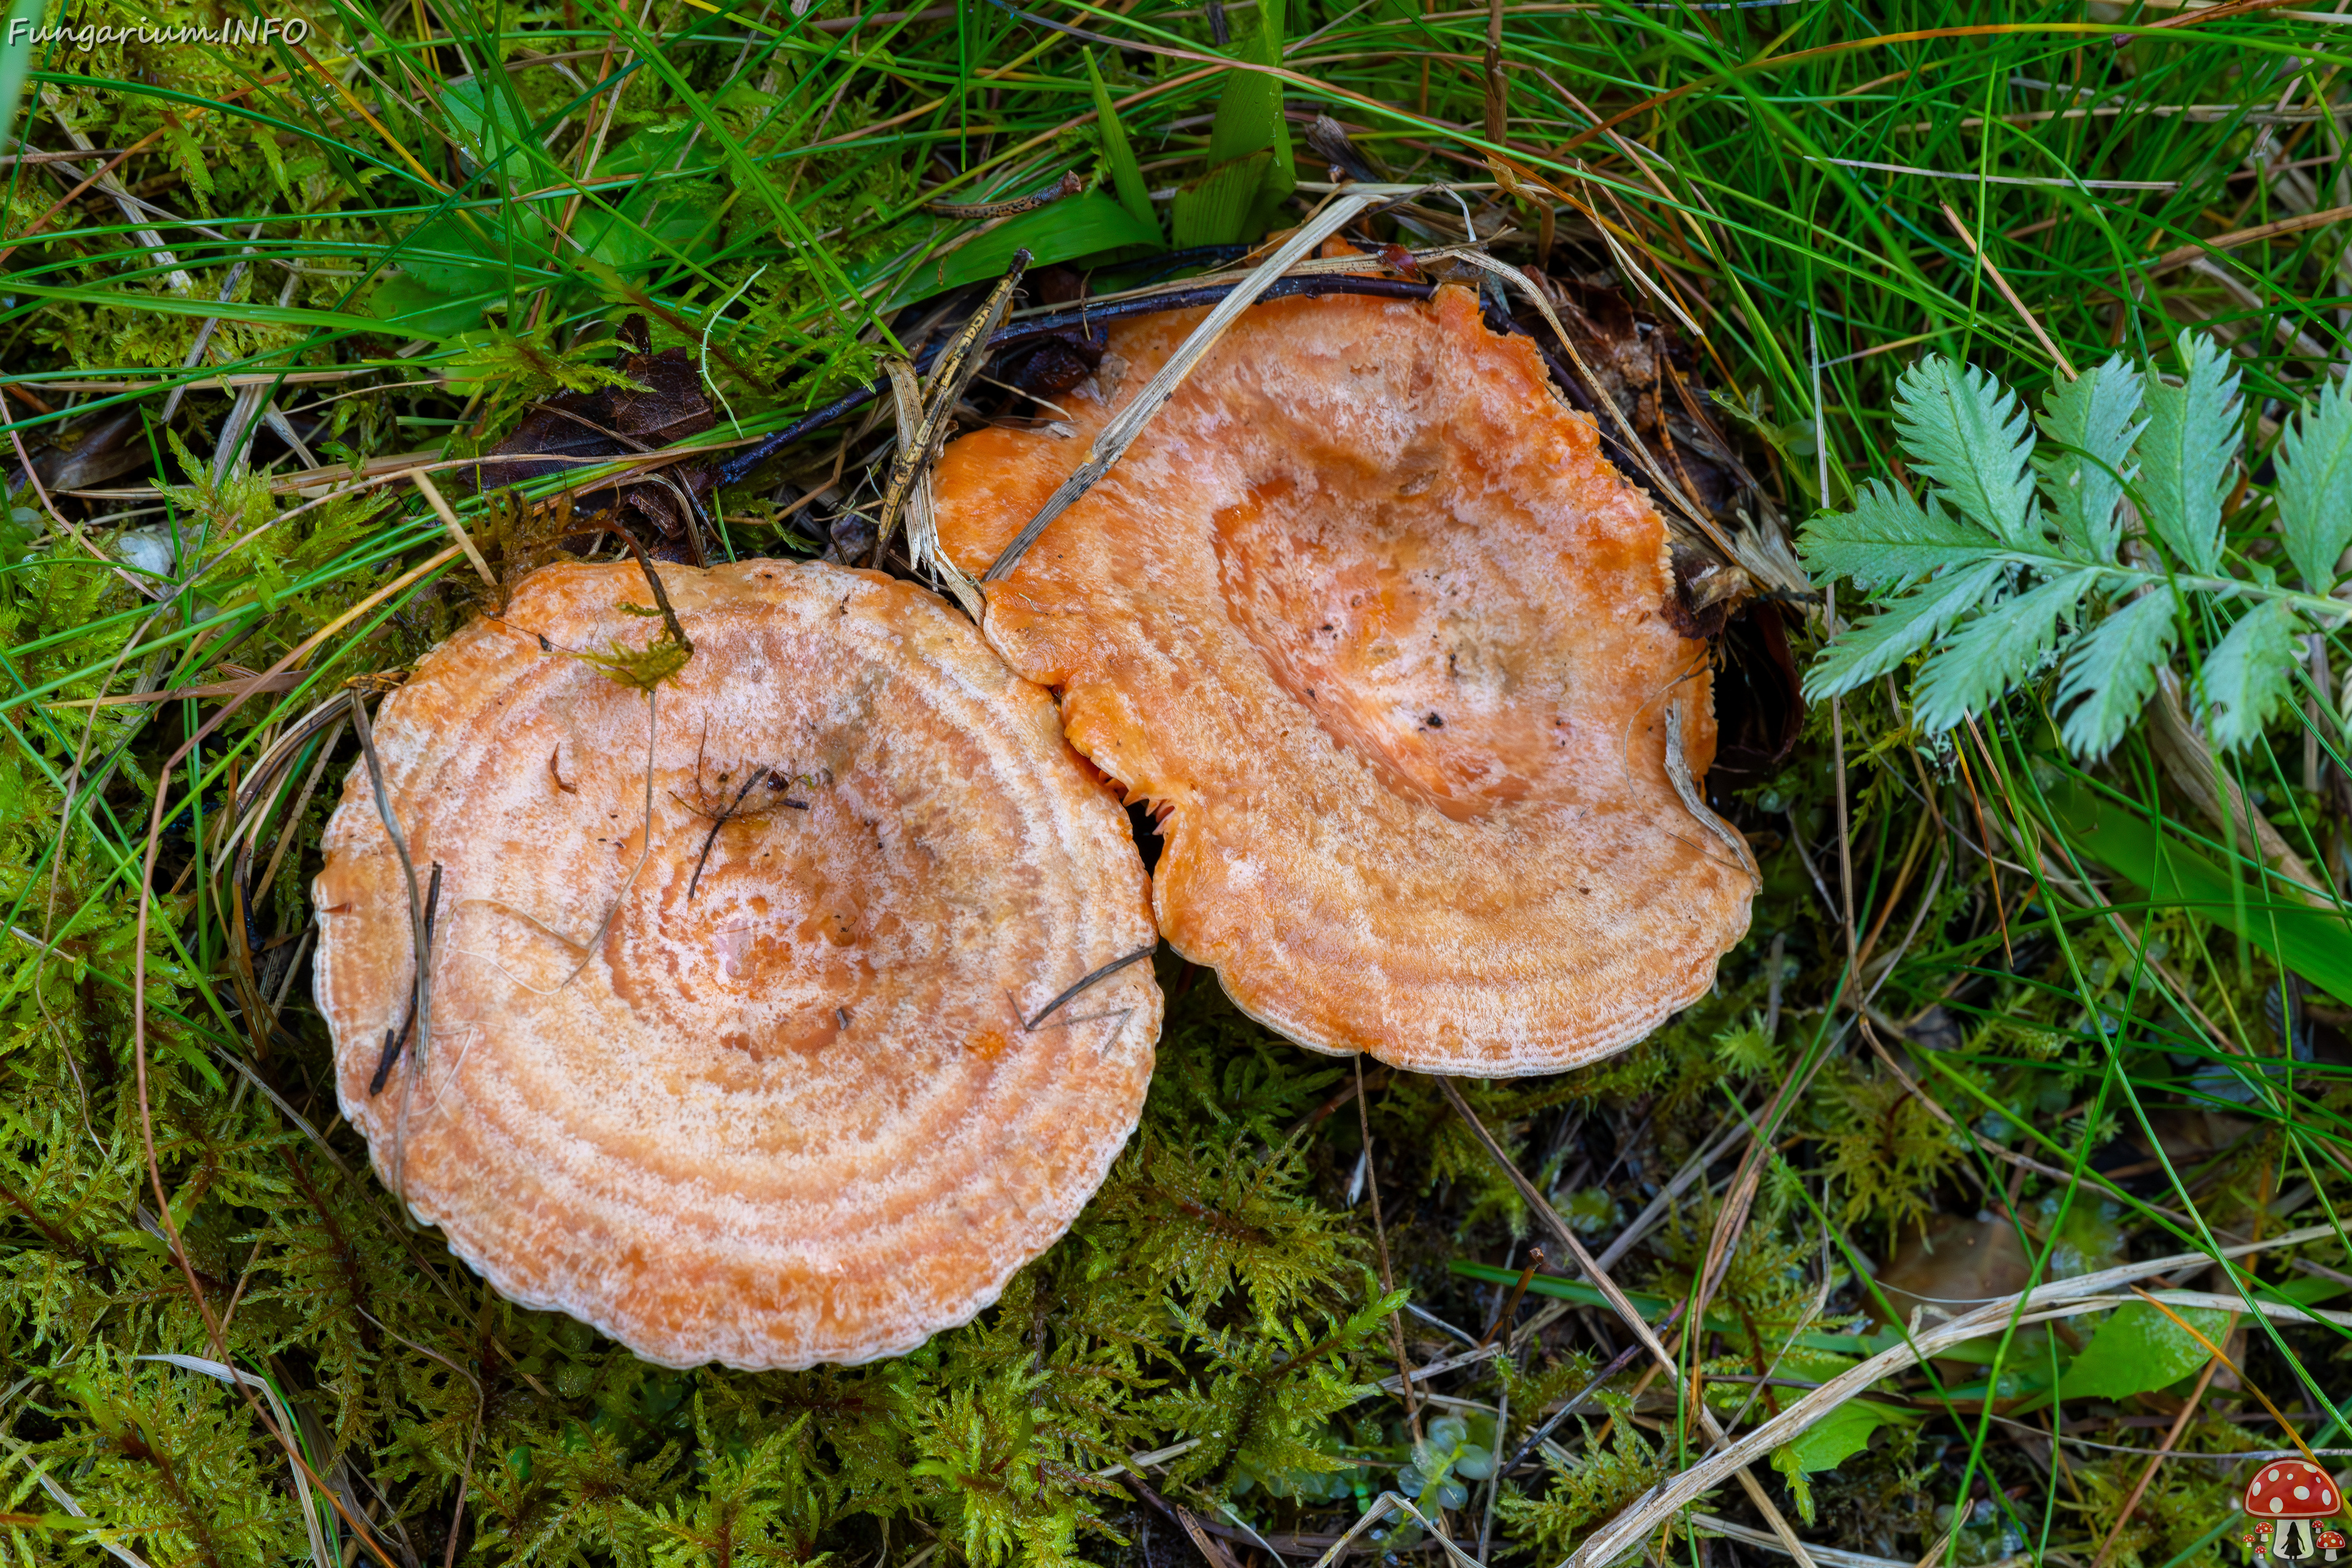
(789, 1112)
(1369, 618)
(2292, 1488)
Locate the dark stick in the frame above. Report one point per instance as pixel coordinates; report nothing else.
(1095, 978)
(653, 581)
(393, 1043)
(1518, 1291)
(718, 822)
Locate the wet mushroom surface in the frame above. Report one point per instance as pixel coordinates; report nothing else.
(1390, 648)
(741, 1058)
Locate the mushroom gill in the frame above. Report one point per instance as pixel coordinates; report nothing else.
(752, 1078)
(1389, 644)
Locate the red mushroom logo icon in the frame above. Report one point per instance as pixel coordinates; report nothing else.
(2289, 1496)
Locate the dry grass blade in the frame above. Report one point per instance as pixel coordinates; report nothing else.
(1383, 1506)
(912, 498)
(1069, 184)
(1130, 422)
(1695, 1167)
(2060, 1299)
(2033, 324)
(926, 415)
(2156, 1461)
(1388, 1275)
(449, 515)
(1687, 788)
(1827, 1556)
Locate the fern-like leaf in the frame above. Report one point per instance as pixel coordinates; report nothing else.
(2185, 453)
(2096, 418)
(1878, 645)
(2110, 675)
(2245, 678)
(1969, 434)
(1889, 540)
(2315, 486)
(1995, 652)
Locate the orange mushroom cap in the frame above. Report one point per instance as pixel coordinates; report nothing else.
(2292, 1488)
(763, 1094)
(1367, 617)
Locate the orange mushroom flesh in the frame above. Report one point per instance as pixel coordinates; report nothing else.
(762, 1079)
(1392, 649)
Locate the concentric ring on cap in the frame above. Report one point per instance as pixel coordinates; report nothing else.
(785, 1109)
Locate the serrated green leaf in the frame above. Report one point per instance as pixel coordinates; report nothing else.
(1839, 1436)
(2185, 453)
(1888, 540)
(1878, 645)
(2096, 417)
(2110, 674)
(1995, 652)
(2246, 676)
(2315, 486)
(2138, 1350)
(1968, 433)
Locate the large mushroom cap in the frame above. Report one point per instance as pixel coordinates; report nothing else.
(2292, 1488)
(789, 1112)
(1368, 614)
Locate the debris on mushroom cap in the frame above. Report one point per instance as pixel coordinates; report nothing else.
(787, 1109)
(1368, 617)
(2292, 1488)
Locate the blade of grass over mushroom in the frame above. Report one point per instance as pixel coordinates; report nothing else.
(1130, 422)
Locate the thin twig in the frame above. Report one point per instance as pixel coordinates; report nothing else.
(1577, 1401)
(718, 822)
(1518, 1291)
(395, 1040)
(2057, 355)
(2156, 1461)
(1093, 979)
